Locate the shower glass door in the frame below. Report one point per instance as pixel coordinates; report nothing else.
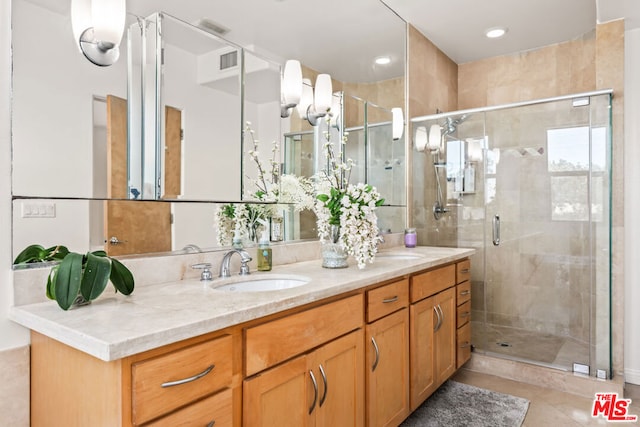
(544, 182)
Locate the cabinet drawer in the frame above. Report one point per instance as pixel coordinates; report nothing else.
(431, 282)
(387, 299)
(463, 292)
(167, 382)
(281, 339)
(464, 314)
(464, 345)
(213, 410)
(463, 271)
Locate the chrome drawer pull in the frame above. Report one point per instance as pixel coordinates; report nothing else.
(466, 344)
(315, 391)
(389, 300)
(212, 423)
(465, 292)
(464, 271)
(465, 314)
(326, 386)
(190, 379)
(375, 347)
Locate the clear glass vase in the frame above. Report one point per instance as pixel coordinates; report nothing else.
(333, 254)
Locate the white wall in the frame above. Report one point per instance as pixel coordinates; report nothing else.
(11, 335)
(632, 206)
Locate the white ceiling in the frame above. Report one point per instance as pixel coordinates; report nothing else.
(327, 34)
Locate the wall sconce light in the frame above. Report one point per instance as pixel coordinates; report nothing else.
(291, 86)
(421, 138)
(97, 27)
(435, 138)
(397, 123)
(306, 99)
(322, 99)
(474, 151)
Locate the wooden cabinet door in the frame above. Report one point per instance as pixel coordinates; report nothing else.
(445, 335)
(423, 318)
(281, 396)
(387, 369)
(339, 369)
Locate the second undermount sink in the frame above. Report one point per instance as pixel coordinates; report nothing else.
(262, 284)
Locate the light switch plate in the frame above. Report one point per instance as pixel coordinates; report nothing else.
(38, 209)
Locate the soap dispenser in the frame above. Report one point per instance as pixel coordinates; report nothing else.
(264, 252)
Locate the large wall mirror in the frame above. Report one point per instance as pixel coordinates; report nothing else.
(68, 182)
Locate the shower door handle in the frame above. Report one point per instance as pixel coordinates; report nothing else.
(496, 230)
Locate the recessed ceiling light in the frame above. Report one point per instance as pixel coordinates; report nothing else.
(383, 60)
(495, 32)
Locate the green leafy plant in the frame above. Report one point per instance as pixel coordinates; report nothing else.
(78, 275)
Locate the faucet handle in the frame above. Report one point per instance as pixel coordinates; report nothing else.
(206, 272)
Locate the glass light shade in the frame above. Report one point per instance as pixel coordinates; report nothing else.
(474, 151)
(306, 99)
(108, 18)
(292, 82)
(80, 19)
(323, 93)
(397, 123)
(420, 140)
(435, 137)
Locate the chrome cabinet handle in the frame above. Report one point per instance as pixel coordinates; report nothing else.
(315, 391)
(464, 293)
(326, 386)
(212, 423)
(390, 300)
(439, 322)
(465, 314)
(465, 344)
(496, 230)
(464, 271)
(188, 380)
(377, 359)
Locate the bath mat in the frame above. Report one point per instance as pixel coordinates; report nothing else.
(456, 404)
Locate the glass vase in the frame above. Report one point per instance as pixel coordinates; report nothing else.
(333, 254)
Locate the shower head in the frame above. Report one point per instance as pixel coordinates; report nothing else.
(451, 124)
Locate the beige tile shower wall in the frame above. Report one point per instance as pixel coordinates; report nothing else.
(554, 70)
(433, 86)
(593, 61)
(14, 388)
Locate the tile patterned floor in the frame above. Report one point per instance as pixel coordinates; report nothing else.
(547, 407)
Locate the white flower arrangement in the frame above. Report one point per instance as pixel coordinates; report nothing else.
(351, 208)
(277, 191)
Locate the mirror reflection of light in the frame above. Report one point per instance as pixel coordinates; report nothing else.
(383, 60)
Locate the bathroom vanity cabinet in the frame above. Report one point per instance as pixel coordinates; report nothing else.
(367, 356)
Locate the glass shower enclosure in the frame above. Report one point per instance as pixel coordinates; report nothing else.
(527, 185)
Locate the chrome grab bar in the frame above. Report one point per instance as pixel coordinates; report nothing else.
(496, 230)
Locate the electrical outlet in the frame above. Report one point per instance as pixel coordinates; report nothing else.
(38, 210)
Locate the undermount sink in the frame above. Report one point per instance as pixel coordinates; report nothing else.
(398, 255)
(263, 284)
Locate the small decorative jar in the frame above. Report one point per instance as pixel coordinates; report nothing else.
(410, 238)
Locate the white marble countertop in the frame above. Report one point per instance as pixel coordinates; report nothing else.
(115, 326)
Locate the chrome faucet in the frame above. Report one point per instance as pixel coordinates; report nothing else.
(244, 259)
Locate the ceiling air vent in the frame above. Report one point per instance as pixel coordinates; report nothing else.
(228, 60)
(212, 27)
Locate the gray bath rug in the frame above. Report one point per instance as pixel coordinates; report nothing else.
(456, 404)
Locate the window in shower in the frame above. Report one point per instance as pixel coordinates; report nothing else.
(569, 156)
